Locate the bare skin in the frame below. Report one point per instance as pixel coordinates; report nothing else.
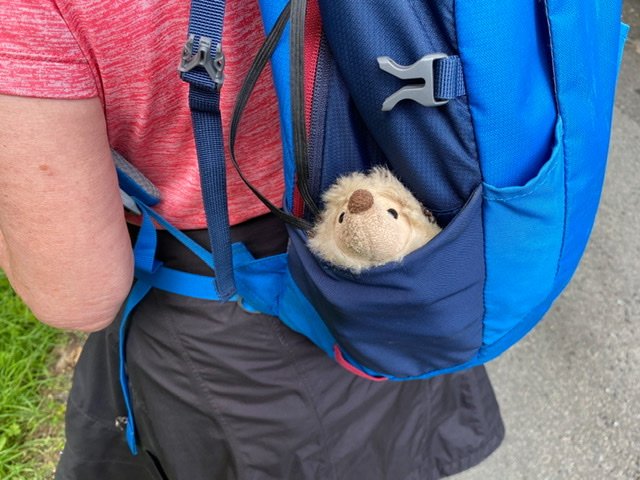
(63, 239)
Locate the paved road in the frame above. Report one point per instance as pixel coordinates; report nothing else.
(570, 392)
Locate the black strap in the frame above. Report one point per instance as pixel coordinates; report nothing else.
(257, 67)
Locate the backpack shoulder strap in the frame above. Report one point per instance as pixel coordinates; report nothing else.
(202, 66)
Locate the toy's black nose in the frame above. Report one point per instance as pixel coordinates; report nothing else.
(360, 201)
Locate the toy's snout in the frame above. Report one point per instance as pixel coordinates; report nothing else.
(360, 201)
(371, 231)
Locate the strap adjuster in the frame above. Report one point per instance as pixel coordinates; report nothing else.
(420, 70)
(214, 65)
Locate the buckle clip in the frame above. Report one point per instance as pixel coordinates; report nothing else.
(129, 203)
(214, 65)
(420, 70)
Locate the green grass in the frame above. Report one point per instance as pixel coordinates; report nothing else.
(32, 391)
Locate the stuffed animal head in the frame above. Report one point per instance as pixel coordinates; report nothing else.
(369, 220)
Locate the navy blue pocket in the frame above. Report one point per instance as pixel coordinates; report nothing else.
(409, 318)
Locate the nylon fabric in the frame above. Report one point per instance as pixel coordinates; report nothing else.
(405, 319)
(301, 415)
(202, 253)
(500, 251)
(589, 37)
(523, 238)
(206, 20)
(138, 292)
(259, 280)
(529, 220)
(448, 78)
(259, 283)
(317, 98)
(95, 447)
(298, 17)
(144, 251)
(489, 352)
(280, 61)
(432, 150)
(259, 63)
(339, 140)
(524, 326)
(133, 182)
(297, 312)
(180, 283)
(207, 127)
(504, 48)
(624, 31)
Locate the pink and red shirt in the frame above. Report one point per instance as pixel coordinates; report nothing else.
(126, 53)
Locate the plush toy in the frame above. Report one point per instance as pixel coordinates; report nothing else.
(369, 220)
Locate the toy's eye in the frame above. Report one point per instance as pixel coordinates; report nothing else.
(341, 218)
(393, 213)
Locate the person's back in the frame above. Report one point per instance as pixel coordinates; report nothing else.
(218, 392)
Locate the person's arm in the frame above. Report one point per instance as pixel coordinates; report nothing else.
(63, 239)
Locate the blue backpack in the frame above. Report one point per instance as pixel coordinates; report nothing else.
(496, 115)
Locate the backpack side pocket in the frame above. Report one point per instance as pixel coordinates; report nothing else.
(409, 318)
(524, 228)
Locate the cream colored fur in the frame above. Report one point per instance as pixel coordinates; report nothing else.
(370, 238)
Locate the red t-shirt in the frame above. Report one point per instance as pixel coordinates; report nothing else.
(126, 52)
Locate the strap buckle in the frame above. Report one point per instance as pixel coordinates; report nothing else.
(214, 65)
(129, 203)
(420, 70)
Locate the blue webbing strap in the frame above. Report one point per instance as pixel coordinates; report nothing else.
(144, 251)
(448, 78)
(149, 274)
(139, 290)
(180, 283)
(199, 251)
(144, 254)
(202, 67)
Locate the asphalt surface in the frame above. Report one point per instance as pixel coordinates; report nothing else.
(570, 392)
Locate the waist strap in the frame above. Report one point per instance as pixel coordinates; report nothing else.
(180, 283)
(258, 278)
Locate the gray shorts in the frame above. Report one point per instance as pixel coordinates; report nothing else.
(221, 394)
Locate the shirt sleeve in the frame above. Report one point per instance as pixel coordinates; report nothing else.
(39, 55)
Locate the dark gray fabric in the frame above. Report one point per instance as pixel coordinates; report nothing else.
(223, 394)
